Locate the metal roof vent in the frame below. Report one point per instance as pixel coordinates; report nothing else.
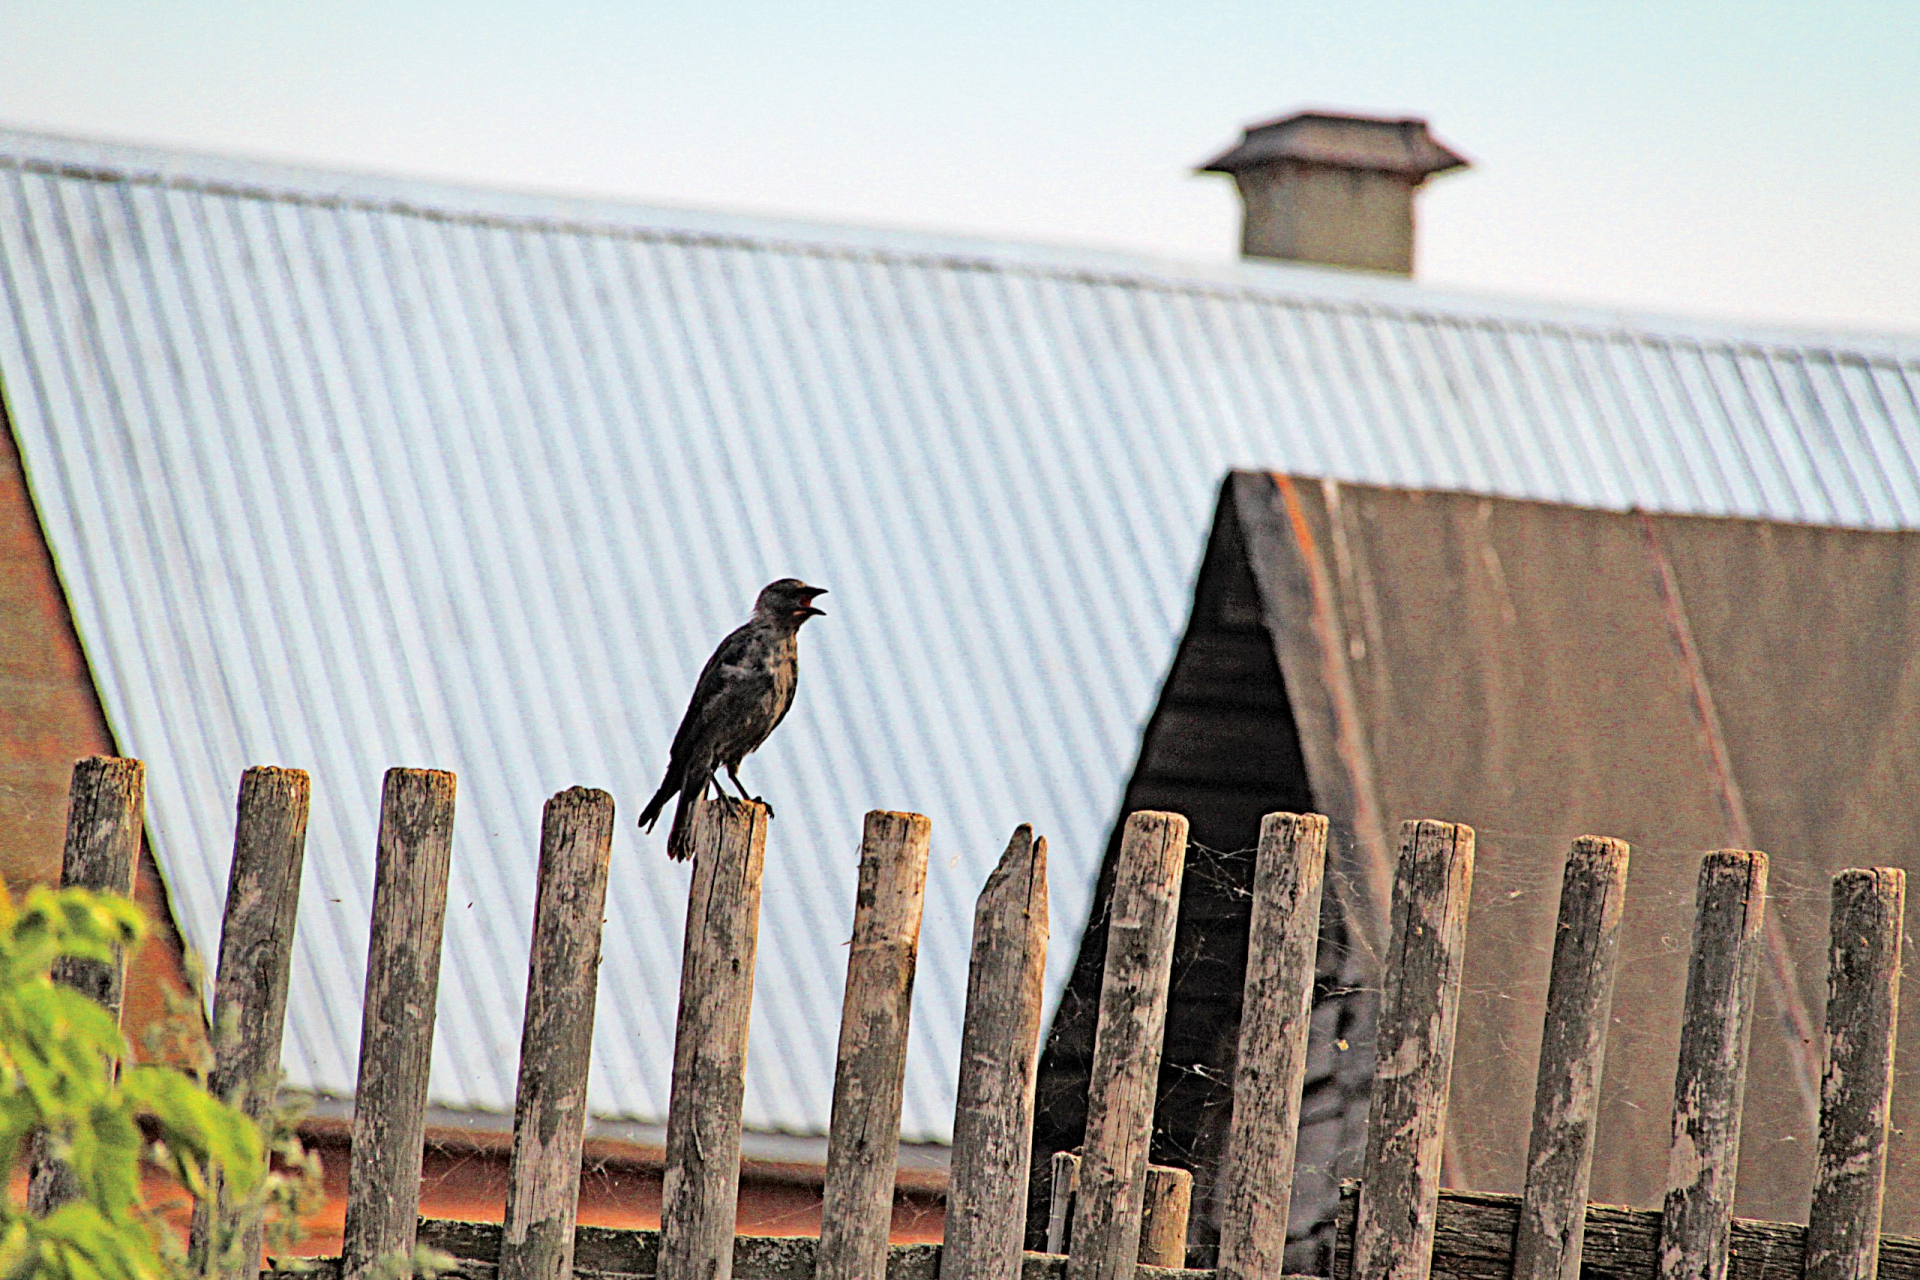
(1333, 189)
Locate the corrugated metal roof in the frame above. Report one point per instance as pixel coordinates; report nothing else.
(343, 473)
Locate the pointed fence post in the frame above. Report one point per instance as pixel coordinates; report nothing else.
(1573, 1049)
(1105, 1242)
(250, 989)
(999, 1048)
(1856, 1089)
(556, 1040)
(1419, 1006)
(396, 1022)
(106, 807)
(1710, 1080)
(700, 1189)
(1276, 1007)
(863, 1136)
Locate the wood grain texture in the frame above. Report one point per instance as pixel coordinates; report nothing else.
(612, 1251)
(106, 813)
(250, 988)
(1856, 1087)
(999, 1047)
(1419, 1007)
(700, 1185)
(1256, 1178)
(396, 1028)
(1105, 1238)
(1573, 1048)
(863, 1133)
(1474, 1241)
(1710, 1080)
(1163, 1217)
(1064, 1184)
(556, 1039)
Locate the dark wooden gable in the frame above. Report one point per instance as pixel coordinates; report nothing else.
(1221, 749)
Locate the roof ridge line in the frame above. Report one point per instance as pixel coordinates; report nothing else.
(1077, 264)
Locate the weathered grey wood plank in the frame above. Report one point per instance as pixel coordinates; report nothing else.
(607, 1251)
(701, 1184)
(1256, 1178)
(1105, 1239)
(411, 863)
(106, 808)
(1573, 1048)
(1474, 1241)
(1711, 1078)
(999, 1047)
(556, 1039)
(1856, 1089)
(250, 989)
(863, 1133)
(1420, 1003)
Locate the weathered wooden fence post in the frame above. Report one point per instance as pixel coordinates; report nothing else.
(1163, 1217)
(106, 807)
(1573, 1048)
(556, 1039)
(863, 1136)
(1165, 1204)
(1856, 1089)
(1062, 1185)
(700, 1189)
(999, 1047)
(1729, 916)
(250, 988)
(1126, 1050)
(396, 1022)
(1419, 1005)
(1256, 1178)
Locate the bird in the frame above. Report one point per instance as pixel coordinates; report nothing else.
(742, 695)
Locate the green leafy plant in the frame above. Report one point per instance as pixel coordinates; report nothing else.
(290, 1191)
(60, 1076)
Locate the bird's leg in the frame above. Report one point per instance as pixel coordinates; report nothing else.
(733, 771)
(719, 792)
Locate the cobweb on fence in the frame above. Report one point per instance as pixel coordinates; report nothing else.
(1509, 950)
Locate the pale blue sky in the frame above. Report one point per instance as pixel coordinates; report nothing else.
(1756, 160)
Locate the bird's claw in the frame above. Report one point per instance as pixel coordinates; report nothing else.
(764, 805)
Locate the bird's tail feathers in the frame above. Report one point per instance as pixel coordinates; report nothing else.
(651, 814)
(680, 837)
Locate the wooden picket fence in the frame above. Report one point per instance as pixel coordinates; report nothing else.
(1111, 1212)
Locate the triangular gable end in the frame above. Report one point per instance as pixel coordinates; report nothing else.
(1539, 671)
(1222, 748)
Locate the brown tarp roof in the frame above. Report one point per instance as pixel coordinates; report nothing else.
(1544, 671)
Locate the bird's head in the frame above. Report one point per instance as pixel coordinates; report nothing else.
(788, 601)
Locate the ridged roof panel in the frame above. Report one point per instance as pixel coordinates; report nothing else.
(343, 473)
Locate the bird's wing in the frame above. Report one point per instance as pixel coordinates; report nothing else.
(792, 689)
(709, 704)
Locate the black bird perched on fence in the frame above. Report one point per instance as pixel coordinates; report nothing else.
(743, 693)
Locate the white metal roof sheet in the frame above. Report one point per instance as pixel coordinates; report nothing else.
(344, 473)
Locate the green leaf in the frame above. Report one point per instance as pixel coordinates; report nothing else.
(60, 1056)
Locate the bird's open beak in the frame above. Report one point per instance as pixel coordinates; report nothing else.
(813, 593)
